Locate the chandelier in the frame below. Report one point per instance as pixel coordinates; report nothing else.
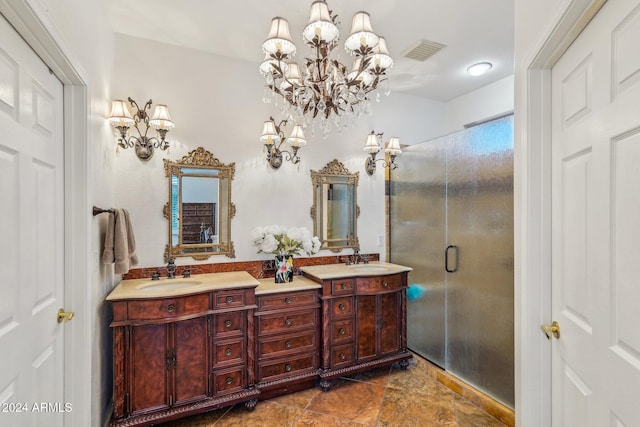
(323, 87)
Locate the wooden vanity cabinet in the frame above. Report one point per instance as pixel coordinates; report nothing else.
(287, 330)
(364, 324)
(176, 356)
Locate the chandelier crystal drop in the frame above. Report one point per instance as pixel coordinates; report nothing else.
(323, 86)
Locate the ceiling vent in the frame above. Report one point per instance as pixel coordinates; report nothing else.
(424, 50)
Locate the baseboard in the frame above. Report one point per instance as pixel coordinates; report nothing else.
(494, 408)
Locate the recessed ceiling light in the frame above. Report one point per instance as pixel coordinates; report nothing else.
(479, 68)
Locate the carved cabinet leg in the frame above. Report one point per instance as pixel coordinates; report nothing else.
(250, 405)
(404, 364)
(325, 385)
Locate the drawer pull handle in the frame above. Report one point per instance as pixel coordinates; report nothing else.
(171, 308)
(343, 356)
(385, 284)
(287, 344)
(342, 331)
(228, 323)
(229, 300)
(228, 381)
(228, 352)
(287, 300)
(287, 367)
(288, 322)
(342, 307)
(344, 286)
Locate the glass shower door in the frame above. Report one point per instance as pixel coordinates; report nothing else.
(418, 236)
(451, 220)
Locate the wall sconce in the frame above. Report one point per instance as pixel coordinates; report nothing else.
(272, 137)
(374, 145)
(121, 119)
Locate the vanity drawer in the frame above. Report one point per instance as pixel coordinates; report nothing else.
(378, 284)
(286, 300)
(287, 344)
(341, 356)
(283, 322)
(228, 299)
(283, 368)
(167, 307)
(229, 323)
(342, 286)
(228, 380)
(342, 306)
(229, 352)
(341, 330)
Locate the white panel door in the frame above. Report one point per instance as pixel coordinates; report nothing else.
(31, 226)
(596, 223)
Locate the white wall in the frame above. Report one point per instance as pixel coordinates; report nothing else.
(216, 102)
(490, 101)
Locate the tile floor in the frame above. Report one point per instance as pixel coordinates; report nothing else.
(385, 397)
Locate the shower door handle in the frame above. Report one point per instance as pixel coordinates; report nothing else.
(446, 259)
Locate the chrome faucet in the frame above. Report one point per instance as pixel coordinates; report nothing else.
(171, 269)
(357, 257)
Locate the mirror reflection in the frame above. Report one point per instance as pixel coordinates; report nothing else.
(335, 210)
(199, 208)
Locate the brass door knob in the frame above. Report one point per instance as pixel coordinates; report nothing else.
(553, 329)
(64, 316)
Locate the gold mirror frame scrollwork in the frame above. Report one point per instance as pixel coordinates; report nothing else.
(200, 158)
(335, 173)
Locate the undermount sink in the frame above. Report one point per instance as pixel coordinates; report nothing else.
(168, 285)
(366, 268)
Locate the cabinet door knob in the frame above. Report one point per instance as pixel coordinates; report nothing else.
(344, 286)
(287, 344)
(228, 323)
(228, 381)
(287, 367)
(342, 331)
(385, 284)
(228, 352)
(287, 300)
(229, 300)
(288, 322)
(171, 308)
(342, 307)
(343, 356)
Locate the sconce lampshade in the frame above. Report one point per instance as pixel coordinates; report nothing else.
(161, 118)
(372, 146)
(269, 135)
(393, 146)
(297, 138)
(320, 24)
(120, 114)
(361, 33)
(381, 57)
(279, 38)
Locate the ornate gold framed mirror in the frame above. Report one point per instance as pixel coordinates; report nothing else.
(199, 209)
(335, 210)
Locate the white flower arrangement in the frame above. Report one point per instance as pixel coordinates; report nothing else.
(278, 240)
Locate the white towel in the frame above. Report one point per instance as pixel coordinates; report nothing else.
(119, 242)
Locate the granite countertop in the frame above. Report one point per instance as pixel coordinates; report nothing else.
(373, 268)
(300, 283)
(198, 283)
